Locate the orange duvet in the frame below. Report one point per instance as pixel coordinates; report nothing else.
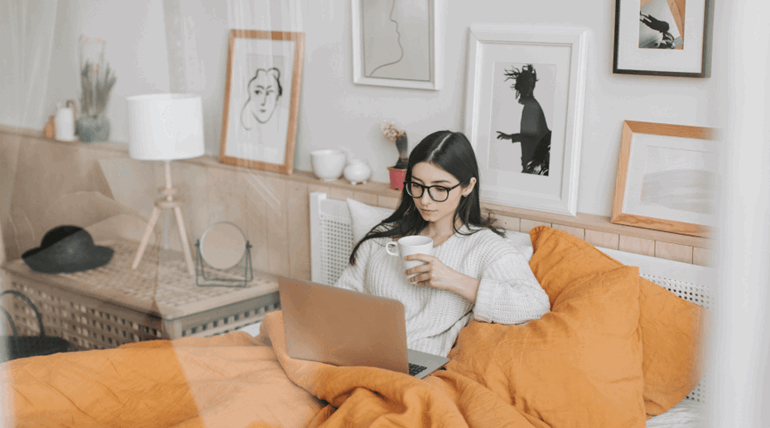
(234, 381)
(239, 381)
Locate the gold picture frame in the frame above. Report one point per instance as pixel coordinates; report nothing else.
(259, 121)
(667, 178)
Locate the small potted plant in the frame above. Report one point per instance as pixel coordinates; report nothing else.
(398, 137)
(96, 82)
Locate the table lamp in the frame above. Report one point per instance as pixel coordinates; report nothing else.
(165, 127)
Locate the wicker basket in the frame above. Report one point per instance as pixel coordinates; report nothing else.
(13, 347)
(113, 305)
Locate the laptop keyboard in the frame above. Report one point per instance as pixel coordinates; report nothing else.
(415, 368)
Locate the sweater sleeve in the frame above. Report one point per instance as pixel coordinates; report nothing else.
(508, 291)
(353, 276)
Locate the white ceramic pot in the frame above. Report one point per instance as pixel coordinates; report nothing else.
(328, 164)
(357, 171)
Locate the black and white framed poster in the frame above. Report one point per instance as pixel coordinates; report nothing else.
(524, 114)
(397, 43)
(662, 37)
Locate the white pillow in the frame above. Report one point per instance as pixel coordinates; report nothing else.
(364, 217)
(521, 242)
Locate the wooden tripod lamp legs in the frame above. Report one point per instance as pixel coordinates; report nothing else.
(167, 202)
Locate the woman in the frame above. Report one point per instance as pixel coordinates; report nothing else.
(473, 273)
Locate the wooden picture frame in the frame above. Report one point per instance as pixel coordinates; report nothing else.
(667, 178)
(397, 47)
(518, 173)
(663, 37)
(259, 123)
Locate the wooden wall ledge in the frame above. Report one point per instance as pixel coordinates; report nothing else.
(381, 191)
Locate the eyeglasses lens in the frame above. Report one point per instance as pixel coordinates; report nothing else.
(438, 194)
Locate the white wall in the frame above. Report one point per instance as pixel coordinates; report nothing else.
(26, 39)
(335, 112)
(135, 49)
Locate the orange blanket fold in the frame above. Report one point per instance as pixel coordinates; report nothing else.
(225, 381)
(371, 397)
(235, 381)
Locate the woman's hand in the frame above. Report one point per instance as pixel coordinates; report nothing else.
(436, 274)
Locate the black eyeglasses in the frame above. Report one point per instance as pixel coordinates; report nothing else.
(437, 193)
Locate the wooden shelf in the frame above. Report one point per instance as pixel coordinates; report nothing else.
(373, 191)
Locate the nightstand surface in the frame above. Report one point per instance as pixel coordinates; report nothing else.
(159, 299)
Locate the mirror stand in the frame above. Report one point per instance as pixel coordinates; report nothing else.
(236, 276)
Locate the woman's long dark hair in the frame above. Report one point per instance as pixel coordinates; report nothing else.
(452, 152)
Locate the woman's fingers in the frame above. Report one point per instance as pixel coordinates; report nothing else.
(422, 279)
(418, 269)
(419, 256)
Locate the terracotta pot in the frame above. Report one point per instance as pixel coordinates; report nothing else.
(397, 177)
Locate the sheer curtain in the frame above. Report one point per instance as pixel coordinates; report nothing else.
(740, 338)
(26, 41)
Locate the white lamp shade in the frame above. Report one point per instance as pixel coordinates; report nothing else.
(165, 126)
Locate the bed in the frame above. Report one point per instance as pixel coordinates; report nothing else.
(246, 379)
(332, 231)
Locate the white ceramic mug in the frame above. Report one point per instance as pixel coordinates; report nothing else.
(407, 245)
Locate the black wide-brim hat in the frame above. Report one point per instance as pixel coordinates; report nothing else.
(67, 249)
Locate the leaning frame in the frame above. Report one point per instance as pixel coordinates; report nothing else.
(619, 216)
(575, 39)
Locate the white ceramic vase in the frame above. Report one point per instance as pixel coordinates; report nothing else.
(64, 124)
(357, 171)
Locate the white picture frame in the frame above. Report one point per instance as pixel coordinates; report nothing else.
(389, 51)
(495, 112)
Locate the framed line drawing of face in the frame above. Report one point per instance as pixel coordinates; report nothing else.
(524, 113)
(259, 124)
(396, 43)
(667, 178)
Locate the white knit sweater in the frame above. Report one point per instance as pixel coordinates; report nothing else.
(508, 291)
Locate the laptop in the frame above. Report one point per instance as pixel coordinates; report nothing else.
(347, 328)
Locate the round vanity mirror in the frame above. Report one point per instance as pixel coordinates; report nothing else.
(222, 245)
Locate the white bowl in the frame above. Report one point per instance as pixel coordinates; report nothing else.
(328, 165)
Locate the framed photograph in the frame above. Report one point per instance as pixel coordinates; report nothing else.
(524, 114)
(397, 43)
(662, 37)
(259, 123)
(667, 178)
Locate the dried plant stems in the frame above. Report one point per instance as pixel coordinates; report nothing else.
(96, 82)
(391, 131)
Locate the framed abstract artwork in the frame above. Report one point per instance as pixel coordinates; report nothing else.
(663, 37)
(667, 178)
(524, 113)
(397, 44)
(259, 123)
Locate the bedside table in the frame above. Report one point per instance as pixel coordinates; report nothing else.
(113, 305)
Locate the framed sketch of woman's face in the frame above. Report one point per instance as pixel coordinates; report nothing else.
(259, 124)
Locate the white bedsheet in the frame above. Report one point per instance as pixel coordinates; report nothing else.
(252, 329)
(686, 414)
